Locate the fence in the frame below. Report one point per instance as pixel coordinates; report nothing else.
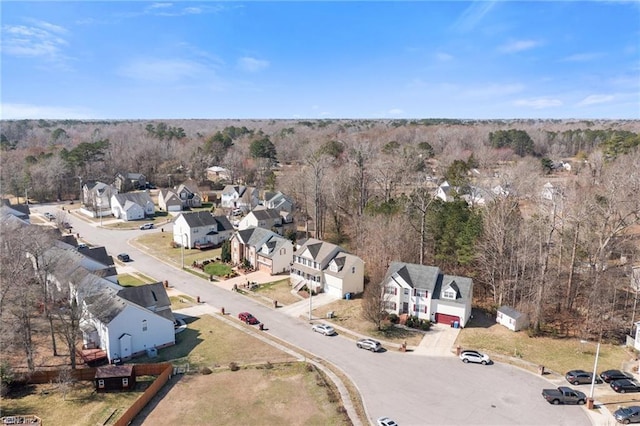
(162, 370)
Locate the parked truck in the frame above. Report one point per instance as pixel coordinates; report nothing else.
(564, 395)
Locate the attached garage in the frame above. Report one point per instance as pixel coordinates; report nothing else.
(446, 319)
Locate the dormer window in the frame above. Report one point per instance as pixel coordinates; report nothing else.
(449, 294)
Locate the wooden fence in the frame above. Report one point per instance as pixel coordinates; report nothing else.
(162, 370)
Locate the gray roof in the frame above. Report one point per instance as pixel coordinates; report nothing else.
(151, 296)
(417, 276)
(265, 214)
(140, 198)
(510, 312)
(345, 261)
(204, 218)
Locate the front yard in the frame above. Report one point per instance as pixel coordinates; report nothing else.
(158, 244)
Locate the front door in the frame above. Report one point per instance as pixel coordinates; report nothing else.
(405, 308)
(125, 346)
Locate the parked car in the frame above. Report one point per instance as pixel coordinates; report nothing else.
(248, 318)
(369, 344)
(325, 329)
(49, 216)
(81, 246)
(146, 226)
(581, 377)
(124, 257)
(386, 421)
(474, 356)
(610, 375)
(625, 385)
(564, 395)
(626, 415)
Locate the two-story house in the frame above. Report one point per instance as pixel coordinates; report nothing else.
(96, 197)
(124, 182)
(240, 197)
(328, 268)
(132, 206)
(189, 196)
(264, 250)
(278, 201)
(425, 292)
(279, 222)
(201, 229)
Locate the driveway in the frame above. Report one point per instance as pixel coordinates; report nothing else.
(412, 389)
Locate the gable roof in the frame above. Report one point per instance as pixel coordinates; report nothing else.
(205, 218)
(140, 198)
(265, 214)
(149, 295)
(510, 312)
(320, 251)
(416, 276)
(344, 261)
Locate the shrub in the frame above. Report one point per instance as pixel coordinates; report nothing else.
(205, 371)
(394, 318)
(268, 365)
(234, 366)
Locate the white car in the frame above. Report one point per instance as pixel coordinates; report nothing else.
(370, 344)
(325, 329)
(146, 226)
(386, 421)
(474, 356)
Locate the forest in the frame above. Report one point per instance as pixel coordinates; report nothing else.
(370, 185)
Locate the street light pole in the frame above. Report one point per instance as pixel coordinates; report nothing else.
(595, 369)
(182, 239)
(310, 303)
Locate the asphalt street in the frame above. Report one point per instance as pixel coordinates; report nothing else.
(410, 388)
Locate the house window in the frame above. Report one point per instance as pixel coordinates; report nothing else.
(101, 384)
(125, 381)
(144, 325)
(406, 291)
(389, 290)
(195, 231)
(421, 293)
(450, 294)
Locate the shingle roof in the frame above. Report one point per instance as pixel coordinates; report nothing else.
(140, 198)
(417, 276)
(199, 219)
(264, 214)
(150, 296)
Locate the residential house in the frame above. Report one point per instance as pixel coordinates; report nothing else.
(278, 201)
(425, 292)
(189, 196)
(512, 319)
(115, 378)
(96, 197)
(132, 206)
(169, 201)
(18, 211)
(550, 191)
(328, 268)
(237, 196)
(217, 174)
(125, 182)
(445, 192)
(151, 296)
(260, 217)
(201, 229)
(263, 249)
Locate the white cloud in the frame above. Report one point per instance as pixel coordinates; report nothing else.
(26, 111)
(160, 5)
(518, 46)
(582, 57)
(595, 99)
(443, 57)
(162, 70)
(538, 103)
(472, 15)
(395, 111)
(34, 41)
(250, 64)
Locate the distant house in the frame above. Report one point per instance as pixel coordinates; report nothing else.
(278, 201)
(115, 378)
(96, 197)
(264, 250)
(217, 173)
(512, 319)
(278, 222)
(132, 206)
(425, 292)
(169, 201)
(189, 196)
(125, 182)
(201, 229)
(328, 268)
(19, 211)
(445, 192)
(550, 191)
(237, 196)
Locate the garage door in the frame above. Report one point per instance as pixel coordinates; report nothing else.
(446, 319)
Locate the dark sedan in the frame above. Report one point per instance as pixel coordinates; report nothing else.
(580, 377)
(626, 415)
(610, 375)
(625, 385)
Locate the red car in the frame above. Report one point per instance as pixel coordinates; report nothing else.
(248, 318)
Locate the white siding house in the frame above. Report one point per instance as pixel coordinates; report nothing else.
(512, 319)
(201, 229)
(132, 206)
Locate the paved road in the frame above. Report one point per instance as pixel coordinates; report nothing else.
(412, 389)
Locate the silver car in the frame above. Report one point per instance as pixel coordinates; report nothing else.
(325, 329)
(626, 415)
(370, 344)
(474, 356)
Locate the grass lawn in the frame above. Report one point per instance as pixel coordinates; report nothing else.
(217, 269)
(181, 302)
(348, 314)
(134, 280)
(277, 290)
(556, 354)
(287, 394)
(159, 244)
(157, 221)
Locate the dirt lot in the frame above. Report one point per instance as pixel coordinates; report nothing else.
(284, 394)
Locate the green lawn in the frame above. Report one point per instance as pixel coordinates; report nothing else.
(131, 280)
(217, 269)
(158, 244)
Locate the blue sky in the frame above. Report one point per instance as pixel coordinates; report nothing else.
(258, 59)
